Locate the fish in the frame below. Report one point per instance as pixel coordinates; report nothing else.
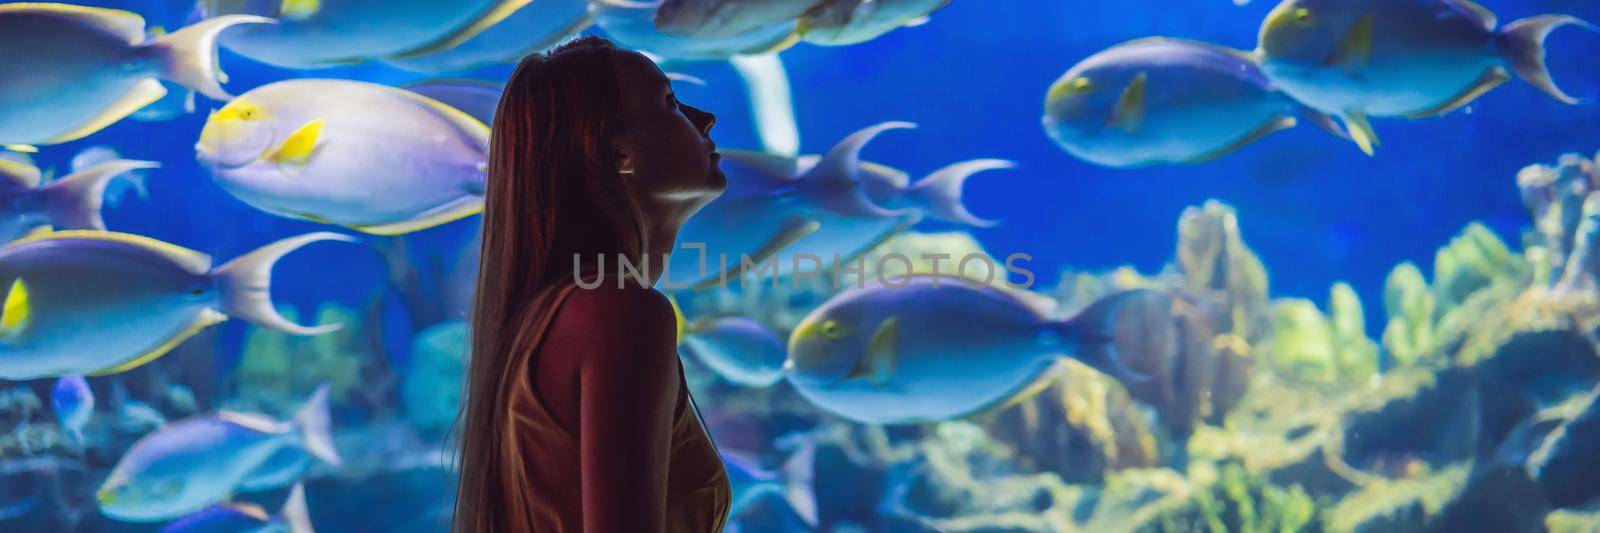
(739, 349)
(722, 19)
(117, 189)
(96, 302)
(937, 347)
(72, 71)
(535, 27)
(245, 517)
(71, 202)
(282, 469)
(635, 27)
(198, 462)
(846, 22)
(1400, 58)
(73, 403)
(477, 98)
(792, 483)
(1161, 101)
(313, 34)
(372, 158)
(776, 207)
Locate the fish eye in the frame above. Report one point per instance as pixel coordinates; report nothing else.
(830, 329)
(1082, 85)
(1302, 15)
(249, 113)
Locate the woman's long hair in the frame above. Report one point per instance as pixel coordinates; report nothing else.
(554, 194)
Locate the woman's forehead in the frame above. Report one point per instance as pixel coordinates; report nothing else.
(635, 68)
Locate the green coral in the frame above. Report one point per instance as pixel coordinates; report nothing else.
(279, 369)
(1326, 348)
(1409, 336)
(1238, 501)
(1475, 258)
(431, 393)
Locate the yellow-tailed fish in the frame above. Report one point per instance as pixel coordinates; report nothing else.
(95, 302)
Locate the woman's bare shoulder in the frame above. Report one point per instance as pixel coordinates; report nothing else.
(631, 322)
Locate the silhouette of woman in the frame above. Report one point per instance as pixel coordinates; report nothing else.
(577, 416)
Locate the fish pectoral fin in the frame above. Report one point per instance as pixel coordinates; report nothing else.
(1355, 48)
(1130, 111)
(23, 148)
(791, 231)
(1273, 125)
(16, 314)
(1491, 78)
(206, 319)
(144, 92)
(299, 9)
(878, 362)
(1355, 122)
(298, 148)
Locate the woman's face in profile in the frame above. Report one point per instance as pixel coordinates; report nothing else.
(665, 145)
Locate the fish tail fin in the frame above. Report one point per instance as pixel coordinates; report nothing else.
(294, 514)
(771, 101)
(833, 183)
(314, 426)
(1093, 331)
(245, 284)
(797, 473)
(940, 193)
(73, 202)
(189, 56)
(1522, 43)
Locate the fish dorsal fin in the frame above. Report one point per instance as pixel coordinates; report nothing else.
(255, 512)
(1130, 110)
(299, 9)
(1355, 48)
(495, 13)
(468, 125)
(1271, 126)
(19, 175)
(1042, 304)
(144, 92)
(1355, 122)
(1491, 78)
(206, 319)
(1234, 52)
(298, 148)
(125, 25)
(772, 165)
(878, 361)
(1479, 13)
(252, 421)
(15, 314)
(190, 260)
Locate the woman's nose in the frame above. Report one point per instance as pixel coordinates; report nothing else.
(702, 119)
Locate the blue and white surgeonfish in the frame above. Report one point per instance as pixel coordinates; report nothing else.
(845, 22)
(1166, 101)
(294, 517)
(70, 203)
(71, 70)
(776, 207)
(535, 27)
(195, 463)
(739, 349)
(1410, 58)
(791, 483)
(327, 33)
(930, 348)
(369, 157)
(95, 302)
(73, 403)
